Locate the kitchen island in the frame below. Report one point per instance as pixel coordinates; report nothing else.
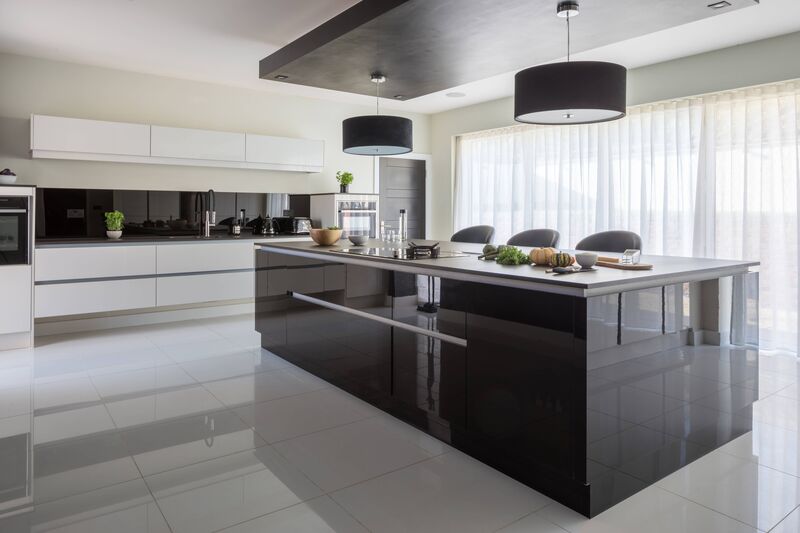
(587, 387)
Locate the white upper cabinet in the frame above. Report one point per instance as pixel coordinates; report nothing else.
(285, 151)
(95, 140)
(76, 135)
(185, 143)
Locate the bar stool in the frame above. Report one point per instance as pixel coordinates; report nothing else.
(536, 238)
(616, 241)
(474, 234)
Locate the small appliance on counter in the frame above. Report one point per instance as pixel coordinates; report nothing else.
(16, 266)
(290, 225)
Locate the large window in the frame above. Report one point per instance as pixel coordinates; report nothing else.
(712, 176)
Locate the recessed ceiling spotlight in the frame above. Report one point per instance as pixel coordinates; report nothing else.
(398, 97)
(281, 77)
(719, 5)
(456, 95)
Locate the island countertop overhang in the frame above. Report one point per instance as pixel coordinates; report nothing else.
(667, 270)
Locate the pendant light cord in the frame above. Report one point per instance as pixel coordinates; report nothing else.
(568, 37)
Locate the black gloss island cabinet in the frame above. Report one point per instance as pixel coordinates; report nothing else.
(585, 391)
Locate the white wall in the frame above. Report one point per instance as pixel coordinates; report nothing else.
(55, 88)
(754, 63)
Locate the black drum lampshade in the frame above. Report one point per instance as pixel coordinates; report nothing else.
(576, 92)
(377, 135)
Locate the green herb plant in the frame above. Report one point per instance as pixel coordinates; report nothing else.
(334, 227)
(511, 255)
(114, 220)
(344, 178)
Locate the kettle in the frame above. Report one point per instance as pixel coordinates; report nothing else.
(264, 226)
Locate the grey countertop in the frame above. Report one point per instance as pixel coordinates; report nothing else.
(666, 271)
(69, 242)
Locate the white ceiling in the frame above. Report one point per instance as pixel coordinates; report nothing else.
(222, 41)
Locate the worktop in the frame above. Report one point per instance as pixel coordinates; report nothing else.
(130, 240)
(587, 387)
(666, 270)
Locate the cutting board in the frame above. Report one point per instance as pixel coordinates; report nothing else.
(620, 266)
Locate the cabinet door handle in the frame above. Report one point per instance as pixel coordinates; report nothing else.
(444, 337)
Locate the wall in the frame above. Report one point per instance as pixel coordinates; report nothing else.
(754, 63)
(56, 88)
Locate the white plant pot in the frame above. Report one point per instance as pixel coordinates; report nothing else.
(114, 234)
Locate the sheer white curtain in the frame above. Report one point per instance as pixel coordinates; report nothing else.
(713, 176)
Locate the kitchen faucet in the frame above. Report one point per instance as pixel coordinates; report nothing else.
(207, 212)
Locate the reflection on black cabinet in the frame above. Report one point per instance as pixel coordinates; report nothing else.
(351, 352)
(429, 374)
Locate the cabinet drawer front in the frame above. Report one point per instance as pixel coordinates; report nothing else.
(200, 288)
(54, 264)
(89, 136)
(204, 257)
(188, 143)
(60, 299)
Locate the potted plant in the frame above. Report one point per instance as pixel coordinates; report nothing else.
(114, 220)
(344, 179)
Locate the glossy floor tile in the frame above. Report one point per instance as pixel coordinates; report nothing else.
(160, 447)
(345, 455)
(78, 466)
(193, 427)
(162, 406)
(652, 510)
(430, 495)
(751, 493)
(146, 380)
(219, 493)
(320, 515)
(285, 418)
(265, 386)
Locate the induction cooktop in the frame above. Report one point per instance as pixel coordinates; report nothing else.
(406, 254)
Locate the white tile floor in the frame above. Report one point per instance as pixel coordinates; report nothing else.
(191, 427)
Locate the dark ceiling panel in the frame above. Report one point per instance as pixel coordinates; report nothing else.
(425, 46)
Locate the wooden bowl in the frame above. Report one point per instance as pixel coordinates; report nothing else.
(326, 237)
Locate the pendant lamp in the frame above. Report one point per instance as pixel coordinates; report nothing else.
(377, 134)
(574, 92)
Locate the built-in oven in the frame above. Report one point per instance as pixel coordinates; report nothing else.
(358, 215)
(15, 230)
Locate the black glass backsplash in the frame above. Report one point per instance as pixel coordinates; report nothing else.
(79, 212)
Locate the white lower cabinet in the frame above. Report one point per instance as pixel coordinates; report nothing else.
(201, 288)
(15, 288)
(100, 279)
(59, 299)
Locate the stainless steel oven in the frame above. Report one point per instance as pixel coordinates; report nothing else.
(15, 227)
(358, 215)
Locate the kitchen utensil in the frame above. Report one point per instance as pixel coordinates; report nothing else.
(621, 266)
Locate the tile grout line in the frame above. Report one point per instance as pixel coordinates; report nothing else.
(707, 507)
(782, 519)
(536, 512)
